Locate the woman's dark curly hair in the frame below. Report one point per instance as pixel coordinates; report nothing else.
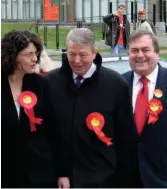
(14, 42)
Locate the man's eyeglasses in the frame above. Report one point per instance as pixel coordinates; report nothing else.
(29, 55)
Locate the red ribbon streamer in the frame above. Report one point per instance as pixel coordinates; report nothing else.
(98, 129)
(101, 136)
(30, 113)
(154, 115)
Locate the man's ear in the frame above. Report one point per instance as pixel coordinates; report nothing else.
(94, 52)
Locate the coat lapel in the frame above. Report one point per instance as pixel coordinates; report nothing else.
(161, 81)
(8, 101)
(160, 84)
(129, 79)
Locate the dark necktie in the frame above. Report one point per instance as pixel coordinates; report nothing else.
(78, 81)
(141, 109)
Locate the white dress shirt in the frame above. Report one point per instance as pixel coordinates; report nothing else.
(17, 108)
(137, 85)
(88, 74)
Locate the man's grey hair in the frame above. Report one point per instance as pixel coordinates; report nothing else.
(82, 36)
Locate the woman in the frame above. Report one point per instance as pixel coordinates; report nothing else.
(26, 114)
(46, 63)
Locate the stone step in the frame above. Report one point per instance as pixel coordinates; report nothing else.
(160, 26)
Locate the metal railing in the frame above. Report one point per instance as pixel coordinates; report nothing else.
(56, 33)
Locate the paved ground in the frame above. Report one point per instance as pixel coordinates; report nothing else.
(163, 40)
(163, 51)
(162, 37)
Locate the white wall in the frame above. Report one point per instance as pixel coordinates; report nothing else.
(14, 8)
(87, 11)
(23, 10)
(104, 7)
(114, 5)
(96, 6)
(38, 9)
(32, 9)
(18, 10)
(78, 9)
(3, 10)
(140, 4)
(35, 9)
(8, 10)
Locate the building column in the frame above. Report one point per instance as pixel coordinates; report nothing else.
(150, 10)
(70, 10)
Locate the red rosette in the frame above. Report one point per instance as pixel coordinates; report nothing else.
(95, 122)
(154, 108)
(28, 100)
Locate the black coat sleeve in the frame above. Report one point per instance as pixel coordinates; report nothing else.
(125, 138)
(109, 19)
(51, 131)
(61, 153)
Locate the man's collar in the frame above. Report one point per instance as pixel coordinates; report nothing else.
(143, 20)
(152, 77)
(88, 74)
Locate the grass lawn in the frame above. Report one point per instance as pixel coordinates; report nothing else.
(51, 33)
(5, 27)
(164, 56)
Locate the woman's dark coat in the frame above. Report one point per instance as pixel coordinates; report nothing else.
(26, 157)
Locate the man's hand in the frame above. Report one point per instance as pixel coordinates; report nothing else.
(63, 182)
(116, 13)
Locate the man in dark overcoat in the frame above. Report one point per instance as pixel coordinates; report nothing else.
(93, 118)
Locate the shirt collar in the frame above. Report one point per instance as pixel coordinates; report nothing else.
(88, 74)
(143, 20)
(152, 77)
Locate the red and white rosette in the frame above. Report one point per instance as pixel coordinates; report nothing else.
(95, 122)
(28, 100)
(155, 107)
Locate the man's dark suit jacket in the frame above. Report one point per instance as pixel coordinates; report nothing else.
(26, 159)
(152, 143)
